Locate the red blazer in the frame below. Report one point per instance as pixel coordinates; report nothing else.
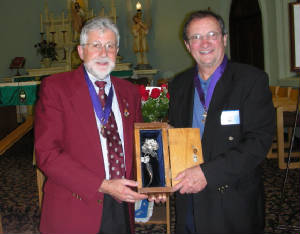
(68, 151)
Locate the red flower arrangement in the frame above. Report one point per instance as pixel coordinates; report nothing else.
(155, 102)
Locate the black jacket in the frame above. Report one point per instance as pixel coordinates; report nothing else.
(232, 201)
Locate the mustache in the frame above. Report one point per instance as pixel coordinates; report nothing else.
(103, 60)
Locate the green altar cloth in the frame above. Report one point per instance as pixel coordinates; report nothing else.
(10, 94)
(120, 74)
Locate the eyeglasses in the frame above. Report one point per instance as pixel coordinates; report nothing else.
(97, 46)
(211, 36)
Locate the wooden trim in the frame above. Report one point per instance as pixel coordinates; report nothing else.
(293, 40)
(40, 183)
(280, 138)
(1, 229)
(161, 215)
(25, 83)
(16, 135)
(152, 126)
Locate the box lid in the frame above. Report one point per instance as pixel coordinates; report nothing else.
(185, 149)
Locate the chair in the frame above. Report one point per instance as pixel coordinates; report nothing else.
(273, 150)
(1, 229)
(161, 215)
(280, 95)
(285, 102)
(285, 118)
(40, 178)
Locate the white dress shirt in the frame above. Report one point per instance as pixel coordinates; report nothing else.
(118, 117)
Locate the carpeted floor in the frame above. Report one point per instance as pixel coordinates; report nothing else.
(19, 199)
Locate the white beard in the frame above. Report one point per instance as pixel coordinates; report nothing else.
(100, 75)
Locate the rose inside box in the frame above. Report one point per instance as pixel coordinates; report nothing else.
(163, 152)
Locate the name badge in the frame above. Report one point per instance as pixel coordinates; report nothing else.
(230, 117)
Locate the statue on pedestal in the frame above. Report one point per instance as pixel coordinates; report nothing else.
(140, 46)
(78, 19)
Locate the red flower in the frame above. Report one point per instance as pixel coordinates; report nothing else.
(144, 93)
(168, 96)
(164, 86)
(155, 93)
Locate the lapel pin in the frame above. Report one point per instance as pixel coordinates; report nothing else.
(126, 113)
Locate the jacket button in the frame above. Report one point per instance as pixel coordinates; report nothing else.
(99, 202)
(77, 196)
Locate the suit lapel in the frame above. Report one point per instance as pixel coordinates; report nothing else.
(84, 110)
(221, 91)
(218, 100)
(186, 97)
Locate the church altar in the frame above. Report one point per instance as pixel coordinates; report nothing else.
(19, 93)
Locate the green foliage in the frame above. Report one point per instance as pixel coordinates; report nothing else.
(154, 107)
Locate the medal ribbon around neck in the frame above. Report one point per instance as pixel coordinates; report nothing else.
(214, 79)
(102, 115)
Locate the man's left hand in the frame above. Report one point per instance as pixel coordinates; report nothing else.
(158, 198)
(191, 180)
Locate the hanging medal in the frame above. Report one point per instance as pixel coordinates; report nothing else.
(204, 115)
(205, 99)
(102, 130)
(201, 95)
(102, 114)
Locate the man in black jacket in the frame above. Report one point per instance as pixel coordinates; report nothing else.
(232, 105)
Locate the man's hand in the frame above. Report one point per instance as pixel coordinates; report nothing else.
(191, 180)
(120, 190)
(157, 198)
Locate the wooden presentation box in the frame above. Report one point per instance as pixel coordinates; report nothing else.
(162, 152)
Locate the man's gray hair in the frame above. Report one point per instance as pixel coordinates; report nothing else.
(98, 23)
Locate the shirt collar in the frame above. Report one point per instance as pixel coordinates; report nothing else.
(94, 79)
(204, 83)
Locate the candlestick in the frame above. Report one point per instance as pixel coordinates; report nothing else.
(63, 20)
(114, 12)
(138, 6)
(102, 12)
(64, 42)
(53, 36)
(42, 36)
(112, 8)
(51, 23)
(64, 36)
(42, 24)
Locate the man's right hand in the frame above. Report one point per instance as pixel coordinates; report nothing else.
(191, 180)
(120, 190)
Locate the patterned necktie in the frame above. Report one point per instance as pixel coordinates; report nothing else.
(114, 145)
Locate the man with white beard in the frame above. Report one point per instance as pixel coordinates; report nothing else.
(89, 179)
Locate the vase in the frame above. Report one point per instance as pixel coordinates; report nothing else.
(46, 62)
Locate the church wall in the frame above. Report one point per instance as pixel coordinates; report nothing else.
(20, 21)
